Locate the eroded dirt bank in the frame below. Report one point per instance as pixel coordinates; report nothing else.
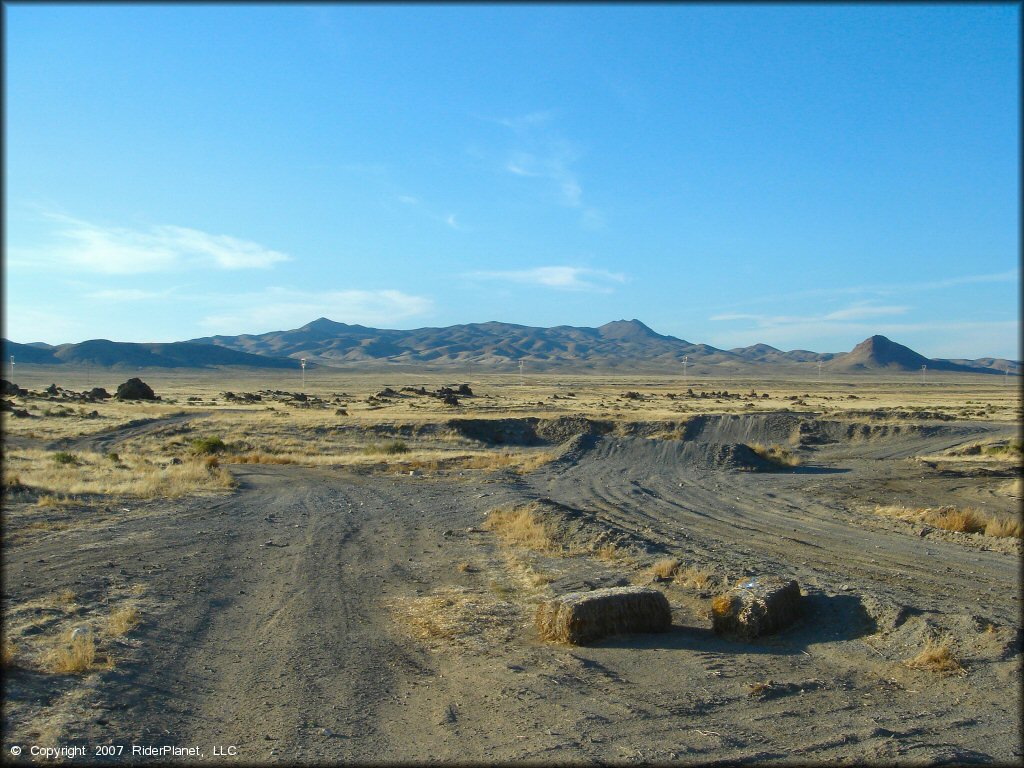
(300, 618)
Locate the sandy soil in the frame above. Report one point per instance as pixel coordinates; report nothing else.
(279, 622)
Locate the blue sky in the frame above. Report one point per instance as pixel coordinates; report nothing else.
(803, 176)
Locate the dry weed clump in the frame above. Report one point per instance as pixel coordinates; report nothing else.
(10, 654)
(1004, 527)
(937, 657)
(519, 462)
(776, 454)
(123, 620)
(666, 568)
(521, 526)
(258, 457)
(954, 519)
(73, 657)
(694, 577)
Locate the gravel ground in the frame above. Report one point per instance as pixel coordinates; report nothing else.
(278, 622)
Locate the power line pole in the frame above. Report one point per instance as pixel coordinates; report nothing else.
(302, 362)
(522, 379)
(12, 369)
(686, 359)
(924, 374)
(819, 371)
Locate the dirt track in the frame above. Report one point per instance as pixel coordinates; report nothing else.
(268, 622)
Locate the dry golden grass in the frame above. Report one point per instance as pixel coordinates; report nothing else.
(66, 597)
(123, 620)
(694, 577)
(1004, 527)
(665, 568)
(73, 656)
(953, 519)
(258, 457)
(48, 501)
(936, 657)
(136, 477)
(721, 605)
(453, 613)
(522, 527)
(776, 454)
(10, 654)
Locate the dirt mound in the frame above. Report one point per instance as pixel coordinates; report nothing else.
(738, 456)
(566, 427)
(528, 431)
(765, 428)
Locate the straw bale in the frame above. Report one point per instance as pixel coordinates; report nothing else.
(756, 606)
(581, 617)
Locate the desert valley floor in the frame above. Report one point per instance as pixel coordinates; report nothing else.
(337, 579)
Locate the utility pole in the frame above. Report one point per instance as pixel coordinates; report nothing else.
(522, 379)
(302, 362)
(686, 359)
(819, 371)
(924, 374)
(12, 369)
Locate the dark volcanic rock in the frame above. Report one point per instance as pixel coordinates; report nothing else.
(98, 393)
(11, 389)
(135, 389)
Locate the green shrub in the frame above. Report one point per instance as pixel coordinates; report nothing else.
(208, 445)
(390, 448)
(63, 457)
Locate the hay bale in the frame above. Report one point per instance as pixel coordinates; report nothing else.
(580, 617)
(756, 606)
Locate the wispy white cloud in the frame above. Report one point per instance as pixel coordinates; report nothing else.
(883, 290)
(558, 277)
(281, 308)
(126, 294)
(522, 123)
(859, 311)
(863, 310)
(88, 247)
(544, 155)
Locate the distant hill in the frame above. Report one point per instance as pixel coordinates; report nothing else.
(121, 354)
(879, 353)
(621, 345)
(615, 345)
(762, 353)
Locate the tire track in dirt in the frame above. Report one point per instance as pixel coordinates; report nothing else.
(102, 442)
(768, 520)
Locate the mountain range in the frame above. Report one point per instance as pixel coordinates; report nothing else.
(622, 345)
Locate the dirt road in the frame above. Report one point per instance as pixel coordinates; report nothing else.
(270, 631)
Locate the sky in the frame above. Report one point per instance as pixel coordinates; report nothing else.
(804, 176)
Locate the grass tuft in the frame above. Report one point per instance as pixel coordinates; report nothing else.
(388, 449)
(521, 526)
(206, 446)
(951, 518)
(10, 654)
(123, 620)
(936, 657)
(74, 657)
